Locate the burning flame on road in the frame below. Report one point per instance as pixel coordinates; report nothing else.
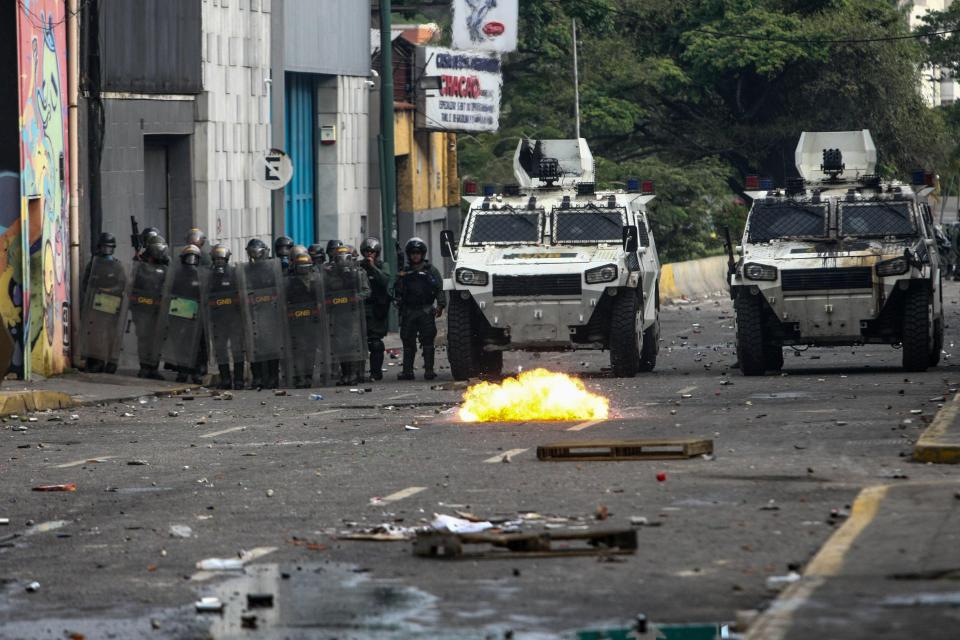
(537, 394)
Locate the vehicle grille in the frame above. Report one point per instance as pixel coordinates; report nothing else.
(818, 279)
(561, 284)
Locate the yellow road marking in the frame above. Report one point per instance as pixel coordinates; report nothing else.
(399, 495)
(509, 455)
(77, 463)
(220, 433)
(775, 623)
(585, 425)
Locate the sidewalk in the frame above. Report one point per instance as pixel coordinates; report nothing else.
(78, 389)
(891, 571)
(940, 442)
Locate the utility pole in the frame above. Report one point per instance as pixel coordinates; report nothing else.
(388, 167)
(576, 82)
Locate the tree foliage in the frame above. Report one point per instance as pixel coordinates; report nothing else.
(699, 93)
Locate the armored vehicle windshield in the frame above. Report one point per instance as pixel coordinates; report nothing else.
(589, 225)
(878, 219)
(505, 226)
(787, 220)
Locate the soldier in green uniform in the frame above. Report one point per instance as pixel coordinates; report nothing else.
(419, 291)
(377, 306)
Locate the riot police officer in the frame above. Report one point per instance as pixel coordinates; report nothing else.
(317, 254)
(345, 288)
(282, 247)
(224, 321)
(182, 318)
(146, 236)
(303, 287)
(377, 305)
(146, 295)
(419, 291)
(264, 315)
(104, 307)
(198, 238)
(332, 246)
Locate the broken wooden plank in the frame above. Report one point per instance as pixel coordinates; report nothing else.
(547, 544)
(599, 450)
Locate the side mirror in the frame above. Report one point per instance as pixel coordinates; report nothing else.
(631, 238)
(447, 242)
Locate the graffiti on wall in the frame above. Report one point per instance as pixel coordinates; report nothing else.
(34, 283)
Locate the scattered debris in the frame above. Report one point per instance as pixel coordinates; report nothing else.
(280, 392)
(269, 493)
(661, 476)
(409, 427)
(660, 449)
(33, 587)
(309, 545)
(454, 385)
(209, 604)
(220, 564)
(443, 522)
(180, 531)
(777, 583)
(380, 533)
(602, 512)
(70, 486)
(442, 544)
(259, 600)
(137, 463)
(316, 396)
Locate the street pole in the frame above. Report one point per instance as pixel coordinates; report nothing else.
(388, 167)
(576, 83)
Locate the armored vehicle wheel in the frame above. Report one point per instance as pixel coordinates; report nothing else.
(937, 347)
(773, 356)
(491, 364)
(463, 341)
(917, 339)
(750, 344)
(650, 348)
(625, 335)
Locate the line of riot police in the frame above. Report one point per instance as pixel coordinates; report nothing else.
(303, 317)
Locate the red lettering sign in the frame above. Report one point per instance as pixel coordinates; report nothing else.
(460, 86)
(494, 29)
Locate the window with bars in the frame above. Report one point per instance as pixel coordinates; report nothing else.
(876, 219)
(588, 225)
(505, 226)
(787, 219)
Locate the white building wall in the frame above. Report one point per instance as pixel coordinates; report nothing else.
(353, 158)
(934, 82)
(232, 127)
(342, 169)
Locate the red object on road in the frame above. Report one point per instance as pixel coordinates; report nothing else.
(70, 486)
(661, 477)
(494, 28)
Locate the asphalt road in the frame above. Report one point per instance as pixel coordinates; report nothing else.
(284, 477)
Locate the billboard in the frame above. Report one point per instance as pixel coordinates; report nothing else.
(460, 90)
(485, 25)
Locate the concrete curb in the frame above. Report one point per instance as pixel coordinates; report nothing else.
(940, 442)
(693, 278)
(19, 402)
(16, 402)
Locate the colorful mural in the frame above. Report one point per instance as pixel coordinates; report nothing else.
(34, 282)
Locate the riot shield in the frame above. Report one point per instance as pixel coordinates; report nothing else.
(104, 310)
(145, 297)
(306, 326)
(181, 317)
(264, 315)
(346, 323)
(223, 317)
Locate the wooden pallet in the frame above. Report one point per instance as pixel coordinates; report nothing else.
(662, 449)
(547, 544)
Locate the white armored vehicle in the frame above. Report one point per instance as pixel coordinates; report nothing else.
(551, 264)
(837, 257)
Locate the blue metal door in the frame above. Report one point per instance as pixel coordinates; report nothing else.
(299, 193)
